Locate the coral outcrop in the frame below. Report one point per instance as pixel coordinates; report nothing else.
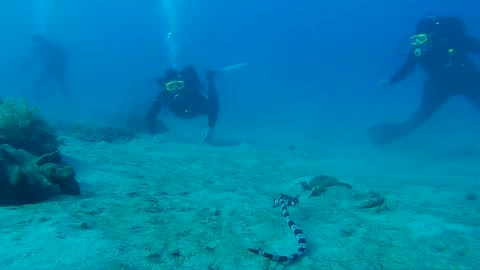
(22, 127)
(30, 163)
(25, 178)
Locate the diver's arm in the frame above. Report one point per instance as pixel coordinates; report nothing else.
(33, 57)
(406, 69)
(151, 119)
(212, 100)
(473, 45)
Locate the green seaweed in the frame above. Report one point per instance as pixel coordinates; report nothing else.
(23, 127)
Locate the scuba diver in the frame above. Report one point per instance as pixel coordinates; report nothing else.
(183, 94)
(441, 47)
(53, 59)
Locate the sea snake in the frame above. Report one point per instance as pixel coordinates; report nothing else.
(284, 200)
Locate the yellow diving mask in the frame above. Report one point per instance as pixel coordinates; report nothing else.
(419, 40)
(175, 85)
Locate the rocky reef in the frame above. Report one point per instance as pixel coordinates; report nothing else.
(25, 178)
(31, 168)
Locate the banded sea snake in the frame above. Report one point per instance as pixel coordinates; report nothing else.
(284, 200)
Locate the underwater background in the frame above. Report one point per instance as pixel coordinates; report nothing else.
(306, 60)
(313, 67)
(301, 107)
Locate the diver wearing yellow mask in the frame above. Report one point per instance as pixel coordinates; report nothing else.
(183, 94)
(440, 46)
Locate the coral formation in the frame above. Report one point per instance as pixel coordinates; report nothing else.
(25, 178)
(22, 127)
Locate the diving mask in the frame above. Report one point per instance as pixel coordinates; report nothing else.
(419, 40)
(175, 85)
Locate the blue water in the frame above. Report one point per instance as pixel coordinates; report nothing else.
(308, 60)
(312, 66)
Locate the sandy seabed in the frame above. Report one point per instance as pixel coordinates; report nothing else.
(150, 205)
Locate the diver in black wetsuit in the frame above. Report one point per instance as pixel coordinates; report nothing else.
(440, 47)
(54, 64)
(183, 94)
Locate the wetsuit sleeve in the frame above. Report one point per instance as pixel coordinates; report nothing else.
(213, 105)
(35, 55)
(473, 45)
(406, 69)
(151, 119)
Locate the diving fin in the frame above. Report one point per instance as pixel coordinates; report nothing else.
(229, 68)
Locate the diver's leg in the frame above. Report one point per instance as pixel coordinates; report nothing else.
(64, 88)
(38, 87)
(212, 91)
(58, 74)
(434, 96)
(213, 105)
(473, 93)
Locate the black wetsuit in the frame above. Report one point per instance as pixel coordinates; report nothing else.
(54, 60)
(451, 74)
(186, 103)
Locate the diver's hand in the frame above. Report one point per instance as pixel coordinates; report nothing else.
(384, 83)
(207, 134)
(211, 74)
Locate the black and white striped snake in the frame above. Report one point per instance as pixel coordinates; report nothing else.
(284, 200)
